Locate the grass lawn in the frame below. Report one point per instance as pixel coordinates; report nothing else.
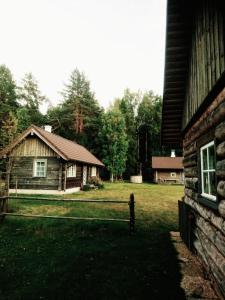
(61, 259)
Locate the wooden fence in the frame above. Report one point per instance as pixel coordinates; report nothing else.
(4, 200)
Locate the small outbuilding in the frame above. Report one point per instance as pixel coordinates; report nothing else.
(167, 169)
(43, 162)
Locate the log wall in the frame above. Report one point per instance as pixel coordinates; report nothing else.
(75, 181)
(206, 60)
(164, 176)
(209, 225)
(22, 174)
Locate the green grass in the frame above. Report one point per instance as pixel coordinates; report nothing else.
(58, 259)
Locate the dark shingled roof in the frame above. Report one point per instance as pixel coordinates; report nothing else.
(65, 148)
(162, 162)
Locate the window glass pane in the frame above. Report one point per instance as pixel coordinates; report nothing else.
(211, 157)
(93, 171)
(205, 183)
(71, 171)
(204, 159)
(40, 168)
(212, 179)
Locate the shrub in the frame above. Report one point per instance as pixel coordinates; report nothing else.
(96, 181)
(86, 187)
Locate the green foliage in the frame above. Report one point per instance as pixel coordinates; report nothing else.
(59, 259)
(78, 117)
(111, 136)
(149, 116)
(8, 106)
(96, 181)
(128, 107)
(7, 91)
(30, 98)
(115, 143)
(8, 129)
(29, 93)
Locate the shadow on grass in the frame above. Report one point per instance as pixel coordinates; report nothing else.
(50, 259)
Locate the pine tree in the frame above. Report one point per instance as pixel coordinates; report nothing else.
(30, 99)
(78, 117)
(128, 107)
(8, 106)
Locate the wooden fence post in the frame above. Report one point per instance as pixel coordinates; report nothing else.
(3, 207)
(132, 214)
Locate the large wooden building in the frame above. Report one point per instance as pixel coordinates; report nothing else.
(42, 162)
(194, 117)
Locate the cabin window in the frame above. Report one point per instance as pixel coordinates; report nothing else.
(72, 171)
(173, 174)
(40, 166)
(93, 171)
(208, 174)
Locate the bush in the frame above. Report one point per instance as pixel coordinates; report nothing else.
(86, 187)
(96, 182)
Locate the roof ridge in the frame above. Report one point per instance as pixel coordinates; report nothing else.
(39, 128)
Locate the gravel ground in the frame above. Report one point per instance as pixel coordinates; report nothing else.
(194, 281)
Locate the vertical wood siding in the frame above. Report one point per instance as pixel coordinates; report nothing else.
(33, 146)
(206, 62)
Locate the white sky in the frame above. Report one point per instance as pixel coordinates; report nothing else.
(118, 44)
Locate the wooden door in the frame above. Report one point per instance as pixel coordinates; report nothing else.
(84, 175)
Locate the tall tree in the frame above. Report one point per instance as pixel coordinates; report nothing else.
(78, 117)
(149, 117)
(8, 106)
(149, 126)
(115, 143)
(30, 98)
(128, 107)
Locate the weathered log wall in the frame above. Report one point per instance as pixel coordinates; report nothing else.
(75, 181)
(21, 176)
(207, 61)
(209, 229)
(164, 176)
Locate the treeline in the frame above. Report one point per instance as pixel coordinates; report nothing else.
(124, 136)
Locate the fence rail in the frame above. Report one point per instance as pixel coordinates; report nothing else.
(69, 200)
(131, 203)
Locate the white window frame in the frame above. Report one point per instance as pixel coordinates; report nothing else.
(173, 174)
(93, 171)
(71, 171)
(35, 170)
(208, 196)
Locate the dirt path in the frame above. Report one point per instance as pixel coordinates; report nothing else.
(194, 281)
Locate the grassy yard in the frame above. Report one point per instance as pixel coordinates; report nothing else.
(58, 259)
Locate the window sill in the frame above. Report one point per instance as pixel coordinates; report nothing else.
(209, 197)
(213, 204)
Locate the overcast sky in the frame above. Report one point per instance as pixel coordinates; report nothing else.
(118, 44)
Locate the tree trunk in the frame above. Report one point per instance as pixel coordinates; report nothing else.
(111, 177)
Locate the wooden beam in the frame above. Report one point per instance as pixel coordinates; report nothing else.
(64, 218)
(68, 200)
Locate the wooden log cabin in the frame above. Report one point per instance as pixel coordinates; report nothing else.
(168, 169)
(41, 162)
(193, 117)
